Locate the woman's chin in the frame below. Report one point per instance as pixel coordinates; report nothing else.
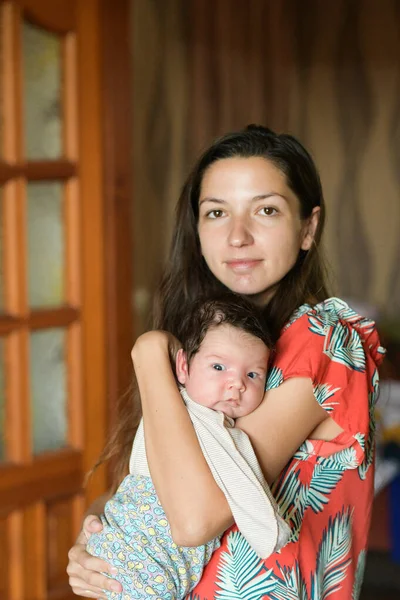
(255, 293)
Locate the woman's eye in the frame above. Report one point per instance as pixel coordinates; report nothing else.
(219, 367)
(215, 213)
(267, 211)
(252, 375)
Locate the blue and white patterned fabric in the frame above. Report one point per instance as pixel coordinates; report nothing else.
(136, 539)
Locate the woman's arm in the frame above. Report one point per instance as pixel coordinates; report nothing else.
(283, 421)
(97, 506)
(179, 471)
(194, 504)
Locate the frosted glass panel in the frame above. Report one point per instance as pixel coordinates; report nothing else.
(45, 244)
(1, 254)
(42, 93)
(2, 401)
(48, 389)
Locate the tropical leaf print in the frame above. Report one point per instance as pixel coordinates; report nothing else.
(322, 321)
(291, 497)
(275, 378)
(299, 312)
(341, 461)
(322, 393)
(294, 497)
(333, 319)
(374, 394)
(333, 559)
(333, 556)
(346, 313)
(344, 346)
(303, 453)
(326, 477)
(241, 573)
(360, 437)
(292, 585)
(370, 442)
(359, 575)
(338, 307)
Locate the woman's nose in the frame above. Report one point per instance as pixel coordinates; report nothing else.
(240, 234)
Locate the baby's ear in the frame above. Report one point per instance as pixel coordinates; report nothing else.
(181, 367)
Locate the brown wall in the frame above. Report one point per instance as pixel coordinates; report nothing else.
(329, 72)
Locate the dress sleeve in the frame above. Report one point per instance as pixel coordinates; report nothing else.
(340, 354)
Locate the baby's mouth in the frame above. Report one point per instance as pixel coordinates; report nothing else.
(233, 401)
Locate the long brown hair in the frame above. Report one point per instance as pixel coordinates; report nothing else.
(186, 274)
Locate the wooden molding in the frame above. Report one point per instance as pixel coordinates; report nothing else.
(91, 165)
(49, 475)
(117, 144)
(38, 170)
(54, 16)
(40, 319)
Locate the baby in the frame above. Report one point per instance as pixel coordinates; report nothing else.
(222, 370)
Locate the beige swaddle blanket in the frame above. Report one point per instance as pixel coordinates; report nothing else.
(235, 468)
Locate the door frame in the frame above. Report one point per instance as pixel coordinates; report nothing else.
(116, 43)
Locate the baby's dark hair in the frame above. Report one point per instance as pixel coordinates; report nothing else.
(227, 309)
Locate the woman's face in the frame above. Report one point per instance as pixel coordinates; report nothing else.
(249, 225)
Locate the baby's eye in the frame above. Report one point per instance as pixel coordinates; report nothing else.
(216, 213)
(252, 375)
(218, 367)
(267, 211)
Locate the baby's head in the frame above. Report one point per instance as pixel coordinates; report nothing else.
(224, 360)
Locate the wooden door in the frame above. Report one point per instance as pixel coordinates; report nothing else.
(53, 408)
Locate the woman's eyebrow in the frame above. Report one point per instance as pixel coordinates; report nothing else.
(269, 195)
(254, 199)
(216, 200)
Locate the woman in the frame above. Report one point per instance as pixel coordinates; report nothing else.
(250, 219)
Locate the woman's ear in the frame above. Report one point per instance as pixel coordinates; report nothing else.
(182, 370)
(310, 228)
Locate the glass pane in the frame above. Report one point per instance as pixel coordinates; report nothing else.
(1, 254)
(45, 244)
(48, 389)
(42, 93)
(2, 401)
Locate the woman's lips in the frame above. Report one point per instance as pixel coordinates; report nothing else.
(244, 264)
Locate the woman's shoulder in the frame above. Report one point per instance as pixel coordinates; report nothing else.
(327, 314)
(330, 331)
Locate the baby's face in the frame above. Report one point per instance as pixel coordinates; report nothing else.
(228, 372)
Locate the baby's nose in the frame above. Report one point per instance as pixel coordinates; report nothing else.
(237, 384)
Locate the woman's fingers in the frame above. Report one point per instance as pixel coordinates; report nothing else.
(82, 579)
(91, 524)
(78, 588)
(86, 572)
(89, 568)
(92, 564)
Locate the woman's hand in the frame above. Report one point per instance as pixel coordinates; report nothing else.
(85, 571)
(156, 339)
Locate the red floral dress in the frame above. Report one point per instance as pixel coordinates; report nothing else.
(325, 493)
